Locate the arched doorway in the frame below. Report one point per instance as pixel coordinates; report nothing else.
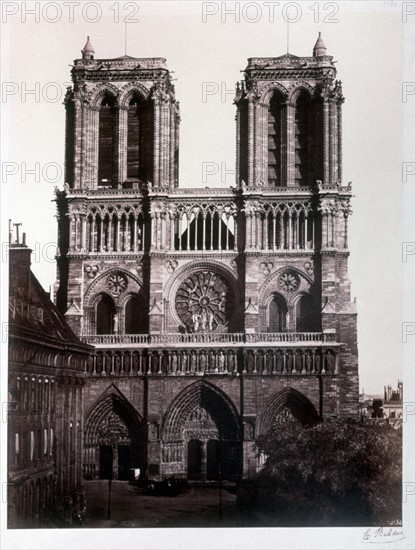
(114, 439)
(306, 317)
(105, 314)
(194, 459)
(201, 435)
(277, 314)
(289, 405)
(135, 318)
(213, 459)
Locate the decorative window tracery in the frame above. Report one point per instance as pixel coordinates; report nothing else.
(204, 302)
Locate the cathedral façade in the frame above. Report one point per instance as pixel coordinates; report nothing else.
(215, 314)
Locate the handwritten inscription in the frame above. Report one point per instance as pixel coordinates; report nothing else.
(383, 535)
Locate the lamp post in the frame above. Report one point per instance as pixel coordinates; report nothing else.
(110, 481)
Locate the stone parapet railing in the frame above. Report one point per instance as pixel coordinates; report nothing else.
(173, 339)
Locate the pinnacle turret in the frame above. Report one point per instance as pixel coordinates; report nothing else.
(319, 48)
(88, 51)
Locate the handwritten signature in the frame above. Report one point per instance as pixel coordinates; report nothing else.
(382, 535)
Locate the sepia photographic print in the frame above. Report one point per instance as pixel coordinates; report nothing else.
(208, 274)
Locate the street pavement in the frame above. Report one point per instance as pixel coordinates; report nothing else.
(130, 507)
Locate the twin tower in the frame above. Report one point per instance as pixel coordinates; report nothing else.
(216, 314)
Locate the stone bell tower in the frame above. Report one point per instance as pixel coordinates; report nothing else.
(289, 170)
(122, 132)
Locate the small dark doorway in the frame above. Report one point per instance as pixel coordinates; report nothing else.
(277, 314)
(194, 459)
(213, 459)
(105, 315)
(123, 462)
(135, 316)
(106, 462)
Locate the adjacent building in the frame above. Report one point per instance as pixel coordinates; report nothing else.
(393, 402)
(215, 314)
(45, 409)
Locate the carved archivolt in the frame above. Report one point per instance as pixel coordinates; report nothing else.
(129, 90)
(268, 90)
(284, 406)
(218, 406)
(297, 87)
(96, 94)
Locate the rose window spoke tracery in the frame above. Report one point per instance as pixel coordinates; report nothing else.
(117, 283)
(204, 302)
(288, 281)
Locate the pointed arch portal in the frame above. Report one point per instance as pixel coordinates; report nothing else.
(201, 435)
(286, 406)
(114, 439)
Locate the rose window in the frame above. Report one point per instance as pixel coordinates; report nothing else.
(288, 281)
(116, 284)
(204, 302)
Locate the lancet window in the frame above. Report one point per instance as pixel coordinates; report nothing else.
(106, 142)
(275, 141)
(205, 229)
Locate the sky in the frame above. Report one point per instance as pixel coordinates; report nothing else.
(208, 53)
(373, 44)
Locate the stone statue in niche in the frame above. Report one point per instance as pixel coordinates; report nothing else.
(248, 431)
(153, 431)
(318, 363)
(174, 363)
(330, 362)
(221, 362)
(279, 362)
(231, 362)
(269, 361)
(115, 323)
(250, 362)
(299, 361)
(193, 363)
(135, 363)
(202, 362)
(308, 362)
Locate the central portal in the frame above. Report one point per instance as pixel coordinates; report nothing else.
(201, 436)
(203, 460)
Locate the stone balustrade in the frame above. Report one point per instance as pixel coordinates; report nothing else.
(208, 361)
(208, 338)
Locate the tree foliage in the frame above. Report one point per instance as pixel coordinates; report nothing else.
(377, 408)
(333, 473)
